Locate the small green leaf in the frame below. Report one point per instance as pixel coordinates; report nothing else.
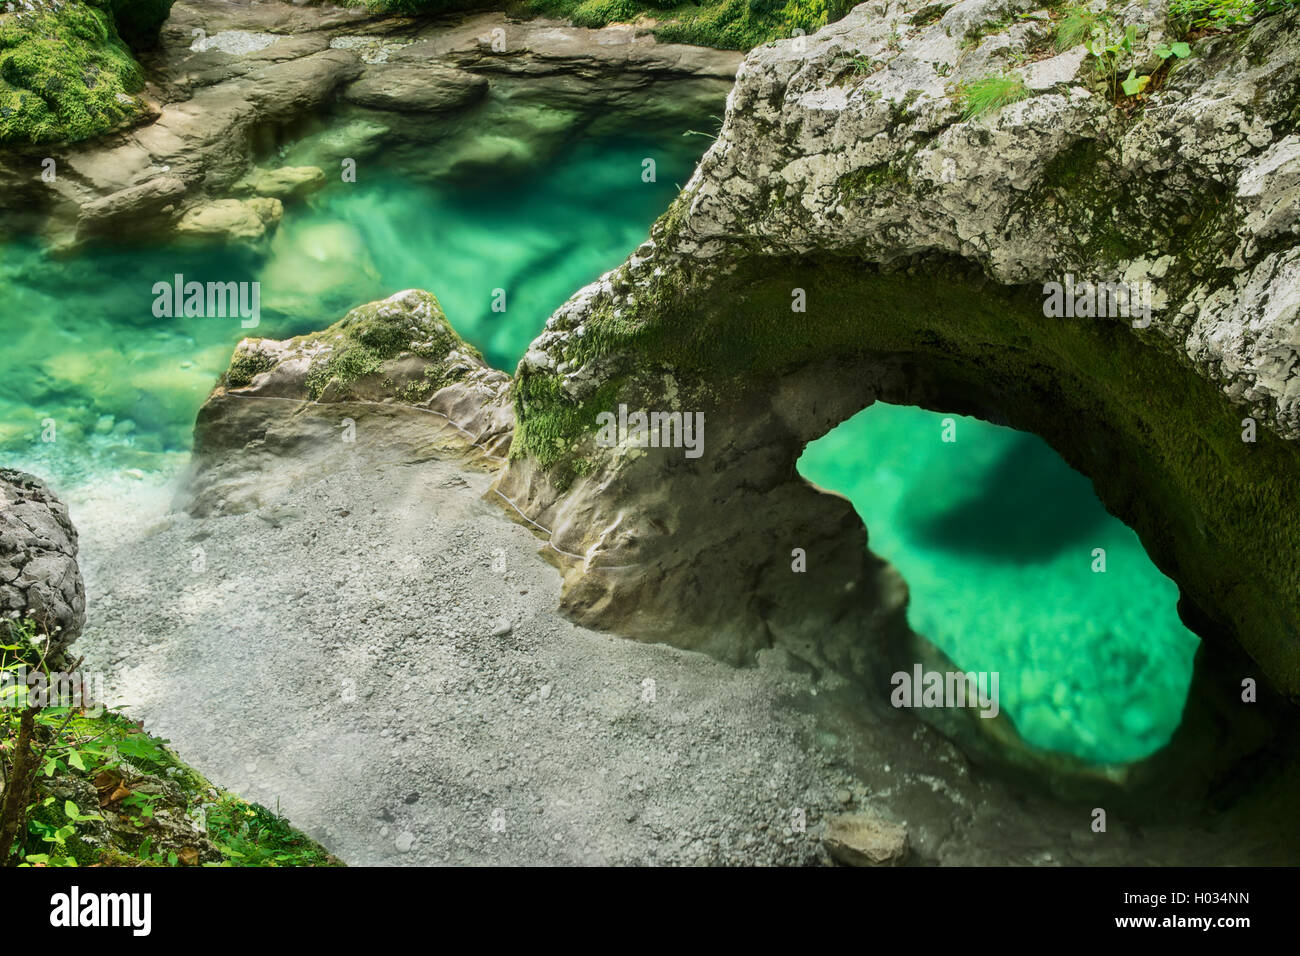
(1181, 50)
(1135, 84)
(74, 760)
(70, 810)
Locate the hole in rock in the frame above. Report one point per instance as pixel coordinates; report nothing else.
(1000, 543)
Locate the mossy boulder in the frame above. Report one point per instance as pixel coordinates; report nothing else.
(65, 74)
(392, 374)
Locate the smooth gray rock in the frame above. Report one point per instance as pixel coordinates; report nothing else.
(407, 89)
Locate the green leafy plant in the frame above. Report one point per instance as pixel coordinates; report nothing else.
(1111, 47)
(1180, 50)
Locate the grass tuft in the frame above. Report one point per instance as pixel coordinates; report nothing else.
(990, 93)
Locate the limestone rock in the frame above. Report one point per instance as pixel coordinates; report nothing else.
(849, 168)
(39, 576)
(127, 208)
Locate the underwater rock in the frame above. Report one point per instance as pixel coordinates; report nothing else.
(232, 219)
(314, 268)
(39, 577)
(285, 182)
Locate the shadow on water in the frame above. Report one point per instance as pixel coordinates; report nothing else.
(1006, 516)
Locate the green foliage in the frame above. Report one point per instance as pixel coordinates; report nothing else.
(723, 24)
(1224, 14)
(248, 834)
(990, 93)
(78, 747)
(65, 75)
(1111, 47)
(1077, 26)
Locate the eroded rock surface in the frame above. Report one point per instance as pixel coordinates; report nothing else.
(39, 577)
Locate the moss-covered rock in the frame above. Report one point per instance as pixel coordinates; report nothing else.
(65, 74)
(360, 343)
(396, 365)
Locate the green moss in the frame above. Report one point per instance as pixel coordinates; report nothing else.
(371, 334)
(65, 75)
(245, 366)
(344, 365)
(549, 422)
(864, 181)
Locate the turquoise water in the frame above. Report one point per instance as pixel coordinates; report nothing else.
(995, 536)
(83, 350)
